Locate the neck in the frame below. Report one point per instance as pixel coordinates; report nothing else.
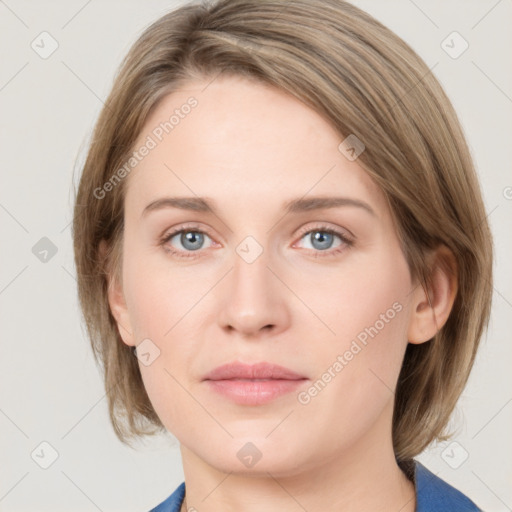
(362, 477)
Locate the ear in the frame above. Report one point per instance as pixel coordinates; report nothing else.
(116, 300)
(431, 308)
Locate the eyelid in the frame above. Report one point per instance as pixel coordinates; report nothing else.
(343, 233)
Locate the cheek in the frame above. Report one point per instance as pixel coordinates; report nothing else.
(160, 294)
(365, 297)
(353, 390)
(165, 307)
(358, 362)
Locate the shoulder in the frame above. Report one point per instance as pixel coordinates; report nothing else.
(173, 502)
(434, 494)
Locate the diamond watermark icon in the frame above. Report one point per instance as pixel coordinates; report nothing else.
(44, 455)
(351, 147)
(249, 455)
(44, 250)
(44, 45)
(454, 455)
(147, 352)
(249, 249)
(454, 45)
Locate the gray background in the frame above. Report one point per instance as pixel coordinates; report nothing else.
(50, 388)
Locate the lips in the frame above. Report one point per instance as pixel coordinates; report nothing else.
(255, 384)
(254, 372)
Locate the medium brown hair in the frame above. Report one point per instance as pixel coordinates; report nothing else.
(365, 81)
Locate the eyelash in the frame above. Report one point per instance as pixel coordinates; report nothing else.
(346, 241)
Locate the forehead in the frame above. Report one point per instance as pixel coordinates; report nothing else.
(237, 139)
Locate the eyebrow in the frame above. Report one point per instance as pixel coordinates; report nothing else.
(201, 204)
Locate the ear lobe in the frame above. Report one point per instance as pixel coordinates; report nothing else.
(116, 299)
(431, 310)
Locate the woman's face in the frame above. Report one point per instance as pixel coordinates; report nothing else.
(321, 288)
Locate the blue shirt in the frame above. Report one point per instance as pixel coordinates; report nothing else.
(432, 495)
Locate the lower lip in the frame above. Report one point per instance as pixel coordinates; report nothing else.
(254, 392)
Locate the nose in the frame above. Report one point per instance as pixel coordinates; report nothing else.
(254, 300)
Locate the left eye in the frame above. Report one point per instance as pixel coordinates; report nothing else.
(322, 239)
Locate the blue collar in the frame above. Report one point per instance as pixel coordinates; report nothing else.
(432, 495)
(435, 495)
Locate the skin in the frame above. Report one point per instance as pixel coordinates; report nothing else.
(249, 148)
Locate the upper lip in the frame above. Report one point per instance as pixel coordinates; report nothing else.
(263, 370)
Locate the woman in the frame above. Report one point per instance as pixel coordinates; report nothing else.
(283, 257)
